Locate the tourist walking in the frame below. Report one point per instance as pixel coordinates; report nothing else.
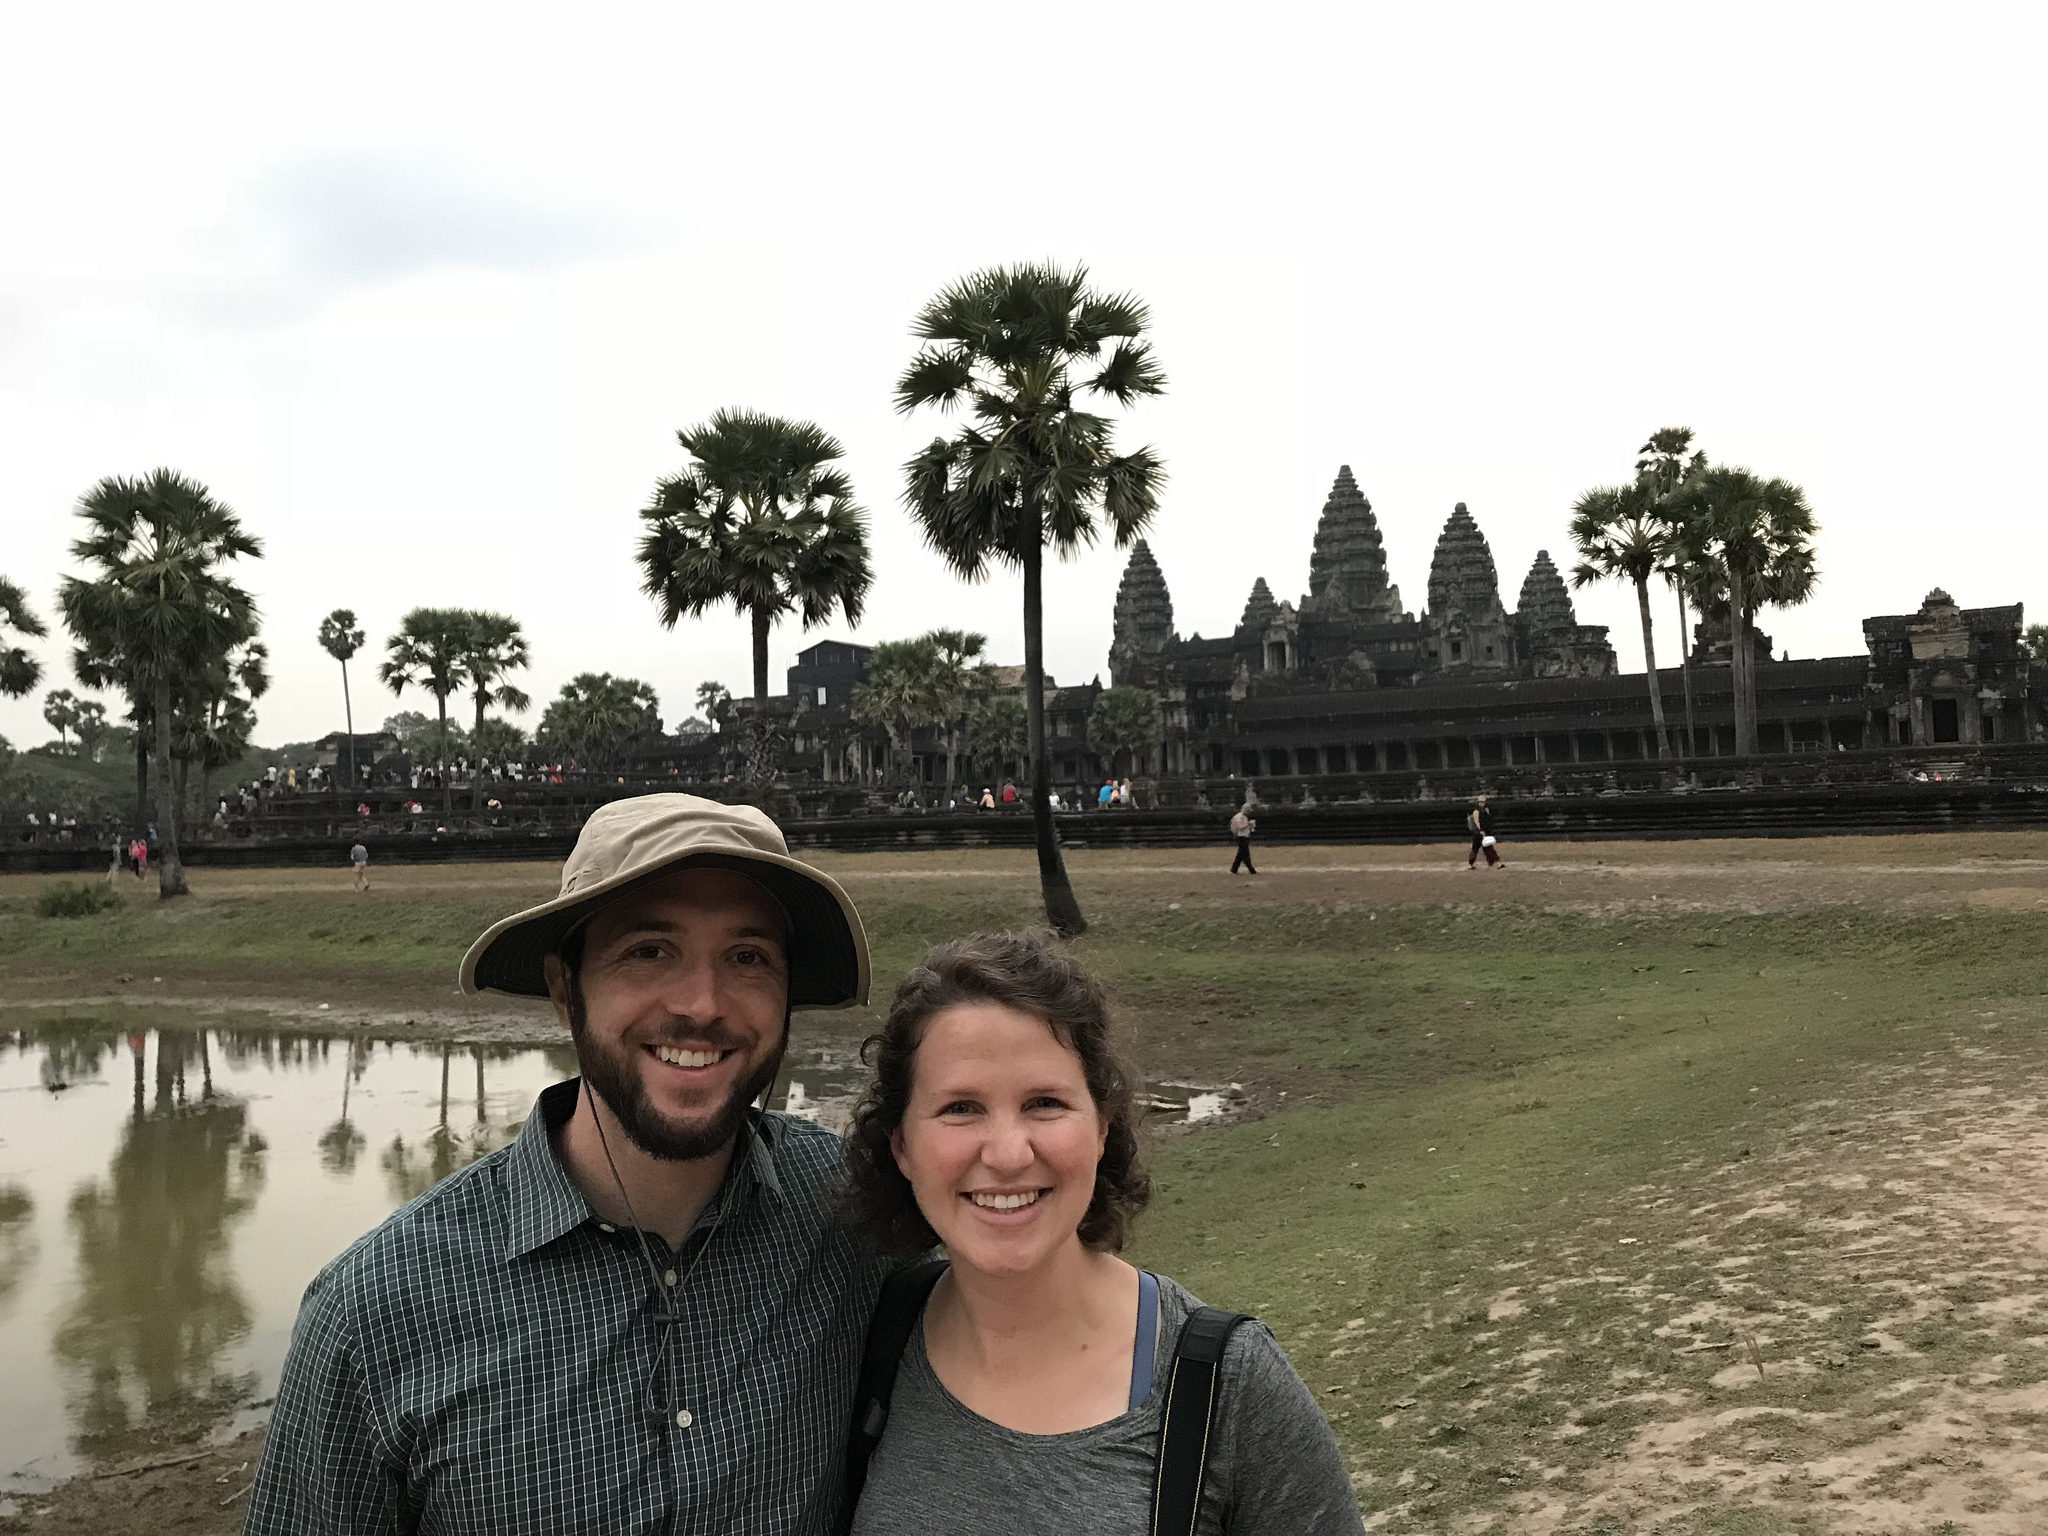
(1021, 1384)
(1242, 826)
(640, 1315)
(1479, 822)
(359, 856)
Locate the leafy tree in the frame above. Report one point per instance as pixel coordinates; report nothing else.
(60, 709)
(765, 520)
(1016, 348)
(997, 731)
(1619, 533)
(19, 671)
(903, 690)
(1124, 719)
(597, 715)
(427, 652)
(1759, 533)
(158, 607)
(341, 637)
(494, 647)
(2035, 640)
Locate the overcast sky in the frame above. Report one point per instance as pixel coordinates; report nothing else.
(424, 292)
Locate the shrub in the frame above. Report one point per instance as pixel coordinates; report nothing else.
(70, 899)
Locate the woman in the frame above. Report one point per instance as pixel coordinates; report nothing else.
(1001, 1123)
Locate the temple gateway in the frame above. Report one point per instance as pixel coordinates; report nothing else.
(1347, 681)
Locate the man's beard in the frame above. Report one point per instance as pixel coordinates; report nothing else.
(613, 1075)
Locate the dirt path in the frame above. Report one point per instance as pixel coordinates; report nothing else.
(1845, 1334)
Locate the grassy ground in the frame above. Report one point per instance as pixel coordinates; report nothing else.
(1640, 1188)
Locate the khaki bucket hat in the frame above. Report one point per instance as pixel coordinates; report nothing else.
(629, 841)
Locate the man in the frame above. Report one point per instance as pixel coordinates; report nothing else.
(1242, 827)
(641, 1315)
(359, 856)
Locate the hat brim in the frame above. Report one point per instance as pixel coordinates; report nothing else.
(828, 949)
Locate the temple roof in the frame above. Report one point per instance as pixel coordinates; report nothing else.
(1545, 605)
(1259, 609)
(1461, 574)
(1144, 608)
(1349, 564)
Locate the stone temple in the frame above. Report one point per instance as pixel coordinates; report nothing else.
(1345, 680)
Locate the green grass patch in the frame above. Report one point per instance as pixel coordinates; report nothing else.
(68, 898)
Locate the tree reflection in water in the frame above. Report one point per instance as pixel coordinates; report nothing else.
(158, 1304)
(341, 1143)
(17, 1241)
(410, 1170)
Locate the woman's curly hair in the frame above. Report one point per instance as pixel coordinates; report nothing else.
(1017, 970)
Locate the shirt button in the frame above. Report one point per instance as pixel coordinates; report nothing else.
(682, 1418)
(605, 1226)
(668, 1277)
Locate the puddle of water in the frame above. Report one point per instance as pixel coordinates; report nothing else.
(166, 1195)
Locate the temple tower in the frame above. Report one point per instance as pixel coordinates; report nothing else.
(1347, 572)
(1143, 626)
(1466, 628)
(1549, 638)
(1259, 609)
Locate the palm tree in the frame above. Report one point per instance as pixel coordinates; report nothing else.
(214, 717)
(1015, 347)
(1618, 533)
(60, 711)
(902, 691)
(341, 637)
(1759, 534)
(763, 519)
(1667, 459)
(597, 714)
(427, 652)
(159, 607)
(19, 671)
(494, 648)
(1124, 719)
(997, 731)
(954, 654)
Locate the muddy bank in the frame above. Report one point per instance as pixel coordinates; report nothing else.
(177, 1491)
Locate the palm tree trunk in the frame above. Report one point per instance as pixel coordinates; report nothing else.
(1741, 665)
(1062, 911)
(1692, 740)
(141, 775)
(760, 763)
(447, 791)
(1650, 664)
(170, 869)
(348, 714)
(760, 617)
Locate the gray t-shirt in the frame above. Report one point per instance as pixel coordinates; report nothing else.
(1273, 1463)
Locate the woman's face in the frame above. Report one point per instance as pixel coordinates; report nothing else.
(1001, 1138)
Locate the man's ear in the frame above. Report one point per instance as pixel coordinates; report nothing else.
(557, 975)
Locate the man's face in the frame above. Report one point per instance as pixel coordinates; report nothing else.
(679, 1007)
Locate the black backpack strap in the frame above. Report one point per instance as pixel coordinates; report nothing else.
(1186, 1420)
(897, 1310)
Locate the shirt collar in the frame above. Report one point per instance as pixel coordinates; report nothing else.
(545, 1202)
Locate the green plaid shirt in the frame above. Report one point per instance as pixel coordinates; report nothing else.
(483, 1362)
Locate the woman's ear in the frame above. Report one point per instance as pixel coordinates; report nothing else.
(896, 1150)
